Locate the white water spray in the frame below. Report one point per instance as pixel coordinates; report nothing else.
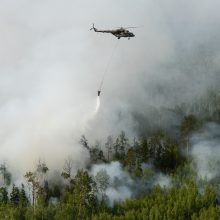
(90, 116)
(97, 104)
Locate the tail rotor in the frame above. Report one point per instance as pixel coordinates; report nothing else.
(93, 28)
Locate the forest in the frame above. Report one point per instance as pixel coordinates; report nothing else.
(157, 175)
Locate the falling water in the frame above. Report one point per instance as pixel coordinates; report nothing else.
(97, 104)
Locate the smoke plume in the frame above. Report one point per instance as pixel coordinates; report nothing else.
(120, 184)
(206, 152)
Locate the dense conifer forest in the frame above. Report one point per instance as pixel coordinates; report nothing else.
(158, 176)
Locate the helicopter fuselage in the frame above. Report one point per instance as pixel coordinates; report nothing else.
(121, 32)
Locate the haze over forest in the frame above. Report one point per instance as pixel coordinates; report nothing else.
(158, 120)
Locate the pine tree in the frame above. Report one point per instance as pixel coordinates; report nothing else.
(84, 194)
(67, 169)
(84, 142)
(130, 159)
(109, 147)
(22, 196)
(102, 180)
(120, 146)
(3, 195)
(188, 125)
(143, 150)
(5, 174)
(34, 184)
(15, 195)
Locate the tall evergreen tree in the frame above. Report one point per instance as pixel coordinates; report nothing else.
(3, 195)
(6, 175)
(15, 195)
(109, 147)
(84, 194)
(23, 197)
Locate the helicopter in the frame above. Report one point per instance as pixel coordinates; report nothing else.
(119, 32)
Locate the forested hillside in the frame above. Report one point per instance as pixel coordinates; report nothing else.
(154, 176)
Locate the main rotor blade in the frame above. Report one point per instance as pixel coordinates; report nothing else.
(129, 27)
(133, 27)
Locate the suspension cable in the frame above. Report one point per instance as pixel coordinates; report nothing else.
(107, 66)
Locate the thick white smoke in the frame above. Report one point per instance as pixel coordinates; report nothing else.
(206, 151)
(121, 186)
(97, 104)
(120, 183)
